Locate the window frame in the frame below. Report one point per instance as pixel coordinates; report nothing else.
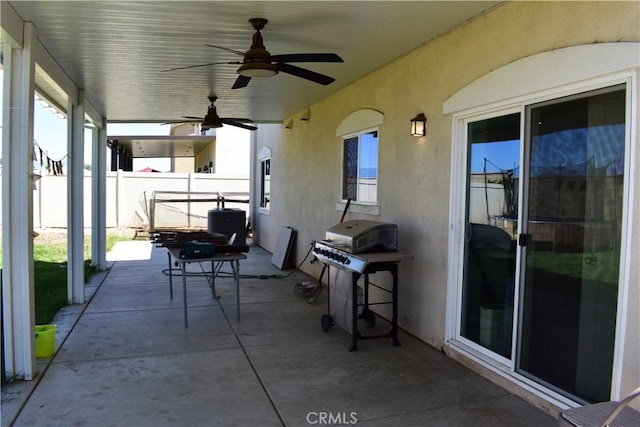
(264, 156)
(344, 139)
(265, 171)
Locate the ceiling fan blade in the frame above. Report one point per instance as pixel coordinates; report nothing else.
(201, 65)
(305, 74)
(241, 82)
(307, 57)
(237, 124)
(193, 118)
(237, 52)
(238, 119)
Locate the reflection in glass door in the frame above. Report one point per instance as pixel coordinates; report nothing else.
(572, 223)
(568, 234)
(490, 250)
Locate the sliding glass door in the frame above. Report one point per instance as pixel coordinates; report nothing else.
(493, 173)
(572, 226)
(559, 215)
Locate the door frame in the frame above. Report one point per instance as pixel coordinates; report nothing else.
(460, 202)
(503, 104)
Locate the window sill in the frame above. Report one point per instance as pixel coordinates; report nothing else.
(359, 208)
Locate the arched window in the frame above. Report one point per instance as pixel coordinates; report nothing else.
(359, 133)
(264, 157)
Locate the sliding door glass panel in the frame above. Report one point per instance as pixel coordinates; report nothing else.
(490, 251)
(573, 226)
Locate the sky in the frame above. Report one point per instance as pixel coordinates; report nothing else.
(502, 155)
(50, 135)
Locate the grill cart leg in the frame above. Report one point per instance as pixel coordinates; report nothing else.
(394, 320)
(368, 315)
(326, 321)
(354, 312)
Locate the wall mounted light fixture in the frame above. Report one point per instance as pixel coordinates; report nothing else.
(419, 125)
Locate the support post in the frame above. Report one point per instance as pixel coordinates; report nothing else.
(75, 201)
(17, 201)
(99, 197)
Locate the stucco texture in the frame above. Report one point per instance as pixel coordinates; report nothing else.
(414, 173)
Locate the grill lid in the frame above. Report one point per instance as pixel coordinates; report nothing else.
(357, 236)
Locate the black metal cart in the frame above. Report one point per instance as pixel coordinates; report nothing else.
(364, 264)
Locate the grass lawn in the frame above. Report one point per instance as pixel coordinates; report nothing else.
(50, 274)
(600, 266)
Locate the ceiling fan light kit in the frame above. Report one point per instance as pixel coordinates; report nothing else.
(258, 69)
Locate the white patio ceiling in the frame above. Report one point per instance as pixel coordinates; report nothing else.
(116, 50)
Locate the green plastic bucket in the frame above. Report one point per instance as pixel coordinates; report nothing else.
(45, 340)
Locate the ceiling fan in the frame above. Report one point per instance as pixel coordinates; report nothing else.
(211, 120)
(258, 62)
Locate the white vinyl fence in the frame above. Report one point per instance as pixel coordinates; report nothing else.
(129, 195)
(485, 201)
(126, 195)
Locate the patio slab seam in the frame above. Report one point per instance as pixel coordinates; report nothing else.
(254, 369)
(92, 287)
(144, 355)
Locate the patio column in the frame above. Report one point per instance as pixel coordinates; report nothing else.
(17, 202)
(75, 188)
(114, 155)
(99, 196)
(254, 182)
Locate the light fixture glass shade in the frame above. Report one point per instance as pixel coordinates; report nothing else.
(419, 125)
(257, 69)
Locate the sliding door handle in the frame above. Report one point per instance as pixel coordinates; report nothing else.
(523, 239)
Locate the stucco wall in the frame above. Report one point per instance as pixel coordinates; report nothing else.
(414, 173)
(267, 223)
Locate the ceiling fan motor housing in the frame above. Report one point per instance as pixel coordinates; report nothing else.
(211, 120)
(257, 63)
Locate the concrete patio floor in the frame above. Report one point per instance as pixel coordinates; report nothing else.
(125, 359)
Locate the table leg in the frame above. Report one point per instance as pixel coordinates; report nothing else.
(170, 276)
(213, 281)
(236, 274)
(184, 293)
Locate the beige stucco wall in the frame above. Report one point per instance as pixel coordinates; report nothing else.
(267, 223)
(414, 174)
(183, 164)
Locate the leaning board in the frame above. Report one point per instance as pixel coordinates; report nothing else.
(284, 246)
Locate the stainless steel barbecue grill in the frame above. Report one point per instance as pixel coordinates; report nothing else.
(360, 247)
(359, 236)
(343, 242)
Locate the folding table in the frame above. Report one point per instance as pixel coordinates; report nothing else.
(232, 258)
